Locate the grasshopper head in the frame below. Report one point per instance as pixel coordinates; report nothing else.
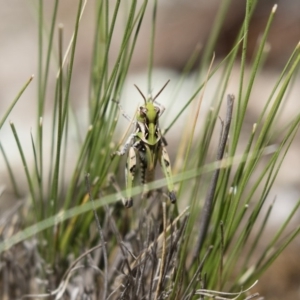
(149, 112)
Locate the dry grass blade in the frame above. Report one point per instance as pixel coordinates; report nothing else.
(225, 296)
(88, 186)
(163, 256)
(207, 209)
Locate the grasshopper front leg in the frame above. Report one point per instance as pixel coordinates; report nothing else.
(161, 108)
(166, 167)
(125, 146)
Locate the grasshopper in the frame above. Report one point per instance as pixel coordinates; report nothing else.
(146, 145)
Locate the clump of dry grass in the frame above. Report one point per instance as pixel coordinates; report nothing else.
(138, 263)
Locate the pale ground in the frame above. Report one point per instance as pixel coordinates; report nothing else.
(18, 60)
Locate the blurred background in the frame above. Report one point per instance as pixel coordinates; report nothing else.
(182, 26)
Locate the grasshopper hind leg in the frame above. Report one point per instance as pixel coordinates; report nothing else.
(129, 174)
(166, 167)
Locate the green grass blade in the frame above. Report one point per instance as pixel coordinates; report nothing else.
(11, 173)
(14, 102)
(25, 166)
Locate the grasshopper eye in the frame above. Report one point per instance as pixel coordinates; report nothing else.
(157, 109)
(143, 111)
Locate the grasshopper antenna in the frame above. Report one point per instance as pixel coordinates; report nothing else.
(160, 90)
(141, 94)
